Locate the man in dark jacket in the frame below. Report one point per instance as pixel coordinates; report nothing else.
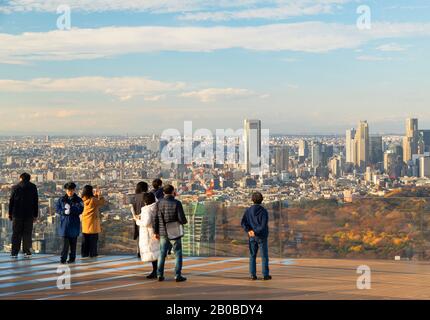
(69, 207)
(23, 212)
(169, 210)
(255, 222)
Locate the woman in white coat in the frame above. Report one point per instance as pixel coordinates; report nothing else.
(149, 247)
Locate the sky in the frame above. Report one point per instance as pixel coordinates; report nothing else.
(143, 66)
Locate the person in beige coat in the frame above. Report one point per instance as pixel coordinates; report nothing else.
(91, 224)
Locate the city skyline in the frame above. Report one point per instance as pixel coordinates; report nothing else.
(140, 67)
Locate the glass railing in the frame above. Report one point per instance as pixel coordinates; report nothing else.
(373, 228)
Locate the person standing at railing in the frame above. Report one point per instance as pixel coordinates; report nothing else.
(148, 244)
(255, 222)
(69, 207)
(136, 206)
(23, 212)
(91, 224)
(168, 228)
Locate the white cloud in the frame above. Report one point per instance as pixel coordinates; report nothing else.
(373, 58)
(123, 88)
(111, 41)
(249, 7)
(213, 94)
(391, 47)
(274, 11)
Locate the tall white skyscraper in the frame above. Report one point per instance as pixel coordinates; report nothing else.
(350, 153)
(252, 146)
(362, 144)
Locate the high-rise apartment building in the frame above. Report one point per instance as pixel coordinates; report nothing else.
(410, 140)
(252, 146)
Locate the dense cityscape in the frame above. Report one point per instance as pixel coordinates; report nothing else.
(301, 168)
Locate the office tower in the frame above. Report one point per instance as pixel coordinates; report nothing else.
(425, 167)
(252, 146)
(326, 154)
(376, 153)
(350, 152)
(362, 145)
(335, 165)
(316, 155)
(282, 158)
(424, 140)
(410, 140)
(303, 149)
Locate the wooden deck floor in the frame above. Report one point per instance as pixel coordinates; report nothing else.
(123, 277)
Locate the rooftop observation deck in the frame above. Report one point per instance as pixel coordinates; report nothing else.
(123, 277)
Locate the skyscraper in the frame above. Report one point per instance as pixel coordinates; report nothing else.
(423, 141)
(362, 145)
(376, 153)
(303, 149)
(410, 140)
(316, 154)
(282, 158)
(252, 146)
(350, 152)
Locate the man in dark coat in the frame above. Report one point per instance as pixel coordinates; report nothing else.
(255, 222)
(23, 212)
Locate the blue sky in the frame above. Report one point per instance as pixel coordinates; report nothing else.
(300, 66)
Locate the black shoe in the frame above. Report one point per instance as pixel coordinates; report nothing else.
(253, 278)
(27, 255)
(160, 279)
(14, 256)
(151, 276)
(267, 278)
(63, 261)
(71, 261)
(180, 279)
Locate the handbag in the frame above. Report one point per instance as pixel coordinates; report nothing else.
(174, 230)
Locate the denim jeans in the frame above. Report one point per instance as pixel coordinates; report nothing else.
(165, 245)
(254, 244)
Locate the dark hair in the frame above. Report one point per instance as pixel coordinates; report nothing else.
(87, 191)
(141, 187)
(157, 183)
(257, 198)
(70, 186)
(148, 198)
(25, 177)
(168, 189)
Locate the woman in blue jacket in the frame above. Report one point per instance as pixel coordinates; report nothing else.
(69, 207)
